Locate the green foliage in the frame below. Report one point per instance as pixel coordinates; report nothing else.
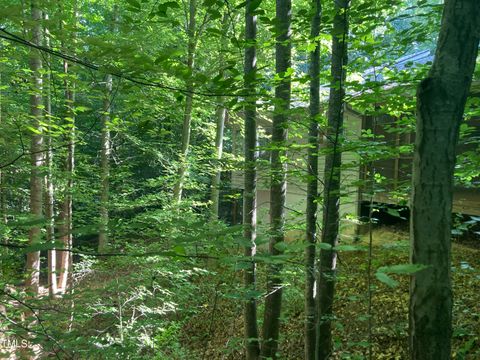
(171, 273)
(401, 269)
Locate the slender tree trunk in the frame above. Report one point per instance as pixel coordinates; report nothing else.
(278, 185)
(3, 197)
(250, 182)
(50, 216)
(105, 154)
(441, 100)
(105, 167)
(312, 184)
(2, 205)
(49, 189)
(66, 215)
(37, 155)
(331, 202)
(187, 114)
(221, 115)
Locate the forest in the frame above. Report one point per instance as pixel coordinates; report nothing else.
(229, 179)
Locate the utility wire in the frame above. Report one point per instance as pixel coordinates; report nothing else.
(136, 80)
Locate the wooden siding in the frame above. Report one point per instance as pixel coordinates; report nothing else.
(296, 187)
(397, 170)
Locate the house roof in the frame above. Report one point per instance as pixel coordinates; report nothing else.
(407, 62)
(402, 63)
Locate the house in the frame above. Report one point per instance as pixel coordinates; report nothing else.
(296, 184)
(393, 170)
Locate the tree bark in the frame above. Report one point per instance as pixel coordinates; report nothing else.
(3, 191)
(250, 182)
(278, 185)
(187, 114)
(331, 201)
(441, 100)
(105, 154)
(37, 155)
(66, 215)
(105, 167)
(49, 188)
(312, 183)
(220, 115)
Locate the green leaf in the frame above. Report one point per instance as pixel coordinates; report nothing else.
(167, 54)
(171, 5)
(209, 3)
(243, 265)
(395, 213)
(135, 4)
(241, 5)
(32, 129)
(253, 294)
(350, 248)
(179, 250)
(324, 246)
(81, 109)
(281, 246)
(255, 4)
(386, 279)
(163, 8)
(403, 269)
(214, 14)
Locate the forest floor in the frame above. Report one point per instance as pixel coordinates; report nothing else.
(172, 308)
(216, 332)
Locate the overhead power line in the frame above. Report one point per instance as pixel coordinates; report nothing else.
(136, 80)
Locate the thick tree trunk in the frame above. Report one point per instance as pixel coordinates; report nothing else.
(441, 100)
(187, 114)
(49, 189)
(312, 183)
(250, 181)
(37, 155)
(331, 202)
(105, 153)
(278, 185)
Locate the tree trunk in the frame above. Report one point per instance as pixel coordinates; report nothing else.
(3, 191)
(278, 186)
(187, 114)
(250, 182)
(37, 155)
(105, 167)
(312, 183)
(441, 100)
(3, 197)
(49, 189)
(105, 154)
(221, 115)
(331, 201)
(65, 215)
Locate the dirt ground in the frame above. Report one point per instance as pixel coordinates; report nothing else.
(216, 333)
